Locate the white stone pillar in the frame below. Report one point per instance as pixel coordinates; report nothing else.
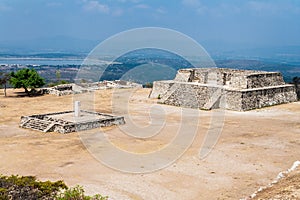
(77, 108)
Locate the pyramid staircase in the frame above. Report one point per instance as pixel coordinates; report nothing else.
(214, 100)
(169, 93)
(38, 124)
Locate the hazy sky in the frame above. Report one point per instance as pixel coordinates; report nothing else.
(256, 22)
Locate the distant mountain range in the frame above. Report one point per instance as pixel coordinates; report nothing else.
(63, 44)
(217, 49)
(285, 59)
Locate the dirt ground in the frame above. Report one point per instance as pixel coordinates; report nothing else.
(252, 149)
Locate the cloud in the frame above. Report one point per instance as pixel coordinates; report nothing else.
(259, 6)
(96, 6)
(161, 10)
(129, 1)
(255, 7)
(273, 8)
(196, 5)
(142, 6)
(117, 12)
(54, 4)
(191, 3)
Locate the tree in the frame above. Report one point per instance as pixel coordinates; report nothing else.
(27, 79)
(296, 82)
(58, 75)
(148, 85)
(4, 78)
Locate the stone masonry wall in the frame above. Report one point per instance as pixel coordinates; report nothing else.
(190, 95)
(160, 88)
(233, 100)
(241, 79)
(243, 100)
(253, 99)
(264, 80)
(236, 81)
(184, 75)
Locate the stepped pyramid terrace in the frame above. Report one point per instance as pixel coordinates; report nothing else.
(232, 89)
(70, 121)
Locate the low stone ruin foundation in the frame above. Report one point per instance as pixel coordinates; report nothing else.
(67, 122)
(67, 89)
(210, 88)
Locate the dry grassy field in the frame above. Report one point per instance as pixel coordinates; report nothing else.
(253, 148)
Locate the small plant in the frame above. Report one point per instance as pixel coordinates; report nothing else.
(83, 81)
(58, 75)
(77, 193)
(159, 97)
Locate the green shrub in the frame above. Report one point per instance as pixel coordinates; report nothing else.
(3, 194)
(77, 193)
(27, 187)
(61, 82)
